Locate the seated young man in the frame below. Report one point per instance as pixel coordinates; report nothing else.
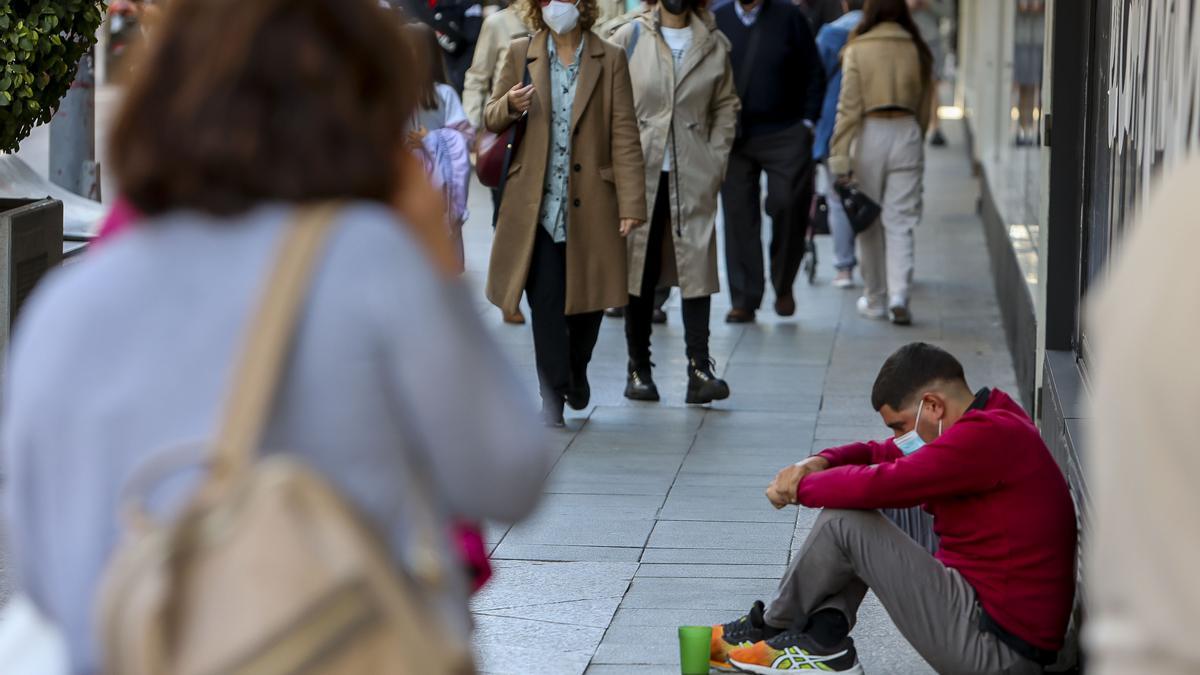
(997, 595)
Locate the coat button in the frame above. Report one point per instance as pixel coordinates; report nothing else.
(578, 168)
(576, 203)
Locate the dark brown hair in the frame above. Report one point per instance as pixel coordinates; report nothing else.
(428, 63)
(241, 102)
(876, 12)
(531, 12)
(910, 369)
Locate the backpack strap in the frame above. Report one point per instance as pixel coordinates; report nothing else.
(260, 365)
(637, 32)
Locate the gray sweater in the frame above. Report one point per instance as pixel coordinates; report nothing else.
(124, 358)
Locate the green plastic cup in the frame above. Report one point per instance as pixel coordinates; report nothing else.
(694, 645)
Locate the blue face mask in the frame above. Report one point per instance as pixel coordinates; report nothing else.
(912, 441)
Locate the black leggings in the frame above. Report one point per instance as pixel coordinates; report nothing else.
(562, 344)
(640, 312)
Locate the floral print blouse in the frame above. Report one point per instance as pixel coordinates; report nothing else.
(562, 98)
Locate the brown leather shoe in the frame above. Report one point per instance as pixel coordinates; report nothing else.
(785, 305)
(516, 318)
(737, 315)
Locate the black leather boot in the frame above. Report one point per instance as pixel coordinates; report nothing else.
(703, 385)
(580, 392)
(640, 386)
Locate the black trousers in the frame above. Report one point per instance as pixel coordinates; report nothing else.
(640, 312)
(562, 344)
(786, 156)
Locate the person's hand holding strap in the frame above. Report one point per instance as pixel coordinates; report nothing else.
(519, 98)
(782, 490)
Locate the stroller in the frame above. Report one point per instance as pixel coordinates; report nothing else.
(818, 224)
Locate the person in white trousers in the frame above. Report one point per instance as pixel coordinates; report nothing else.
(878, 141)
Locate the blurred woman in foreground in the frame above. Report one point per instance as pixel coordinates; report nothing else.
(306, 101)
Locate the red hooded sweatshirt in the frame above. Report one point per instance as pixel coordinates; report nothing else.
(1000, 507)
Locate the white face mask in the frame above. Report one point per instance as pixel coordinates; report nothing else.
(912, 441)
(561, 17)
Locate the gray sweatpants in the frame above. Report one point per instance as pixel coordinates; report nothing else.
(932, 605)
(890, 167)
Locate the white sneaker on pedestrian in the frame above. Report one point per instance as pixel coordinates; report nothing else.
(844, 279)
(898, 312)
(871, 311)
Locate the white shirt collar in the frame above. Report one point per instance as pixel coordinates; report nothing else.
(748, 17)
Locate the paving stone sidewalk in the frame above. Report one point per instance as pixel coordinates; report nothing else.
(654, 514)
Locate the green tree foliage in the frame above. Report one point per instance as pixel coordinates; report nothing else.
(41, 42)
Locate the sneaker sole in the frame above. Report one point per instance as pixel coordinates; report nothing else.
(721, 667)
(767, 670)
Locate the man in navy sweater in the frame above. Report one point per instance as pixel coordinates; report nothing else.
(781, 83)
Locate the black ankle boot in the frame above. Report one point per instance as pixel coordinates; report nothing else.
(640, 386)
(580, 392)
(703, 385)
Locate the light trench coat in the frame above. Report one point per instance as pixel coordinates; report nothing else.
(701, 105)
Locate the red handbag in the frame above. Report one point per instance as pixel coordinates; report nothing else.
(495, 153)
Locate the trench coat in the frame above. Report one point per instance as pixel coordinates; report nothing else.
(701, 105)
(498, 32)
(605, 183)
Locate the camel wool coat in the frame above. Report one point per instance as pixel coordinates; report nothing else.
(701, 105)
(881, 69)
(606, 176)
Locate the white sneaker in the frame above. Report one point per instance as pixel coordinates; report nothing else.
(844, 279)
(871, 311)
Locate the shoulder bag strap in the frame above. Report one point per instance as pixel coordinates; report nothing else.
(747, 69)
(637, 32)
(742, 78)
(264, 353)
(512, 140)
(261, 364)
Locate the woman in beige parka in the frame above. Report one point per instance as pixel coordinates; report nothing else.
(687, 109)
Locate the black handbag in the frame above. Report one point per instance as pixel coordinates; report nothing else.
(818, 218)
(861, 210)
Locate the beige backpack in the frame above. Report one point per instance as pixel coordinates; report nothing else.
(268, 571)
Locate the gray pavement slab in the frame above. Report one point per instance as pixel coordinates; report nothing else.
(563, 553)
(715, 556)
(654, 515)
(716, 534)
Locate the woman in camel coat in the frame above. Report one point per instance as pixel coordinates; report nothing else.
(575, 190)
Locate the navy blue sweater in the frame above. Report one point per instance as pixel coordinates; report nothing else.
(786, 81)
